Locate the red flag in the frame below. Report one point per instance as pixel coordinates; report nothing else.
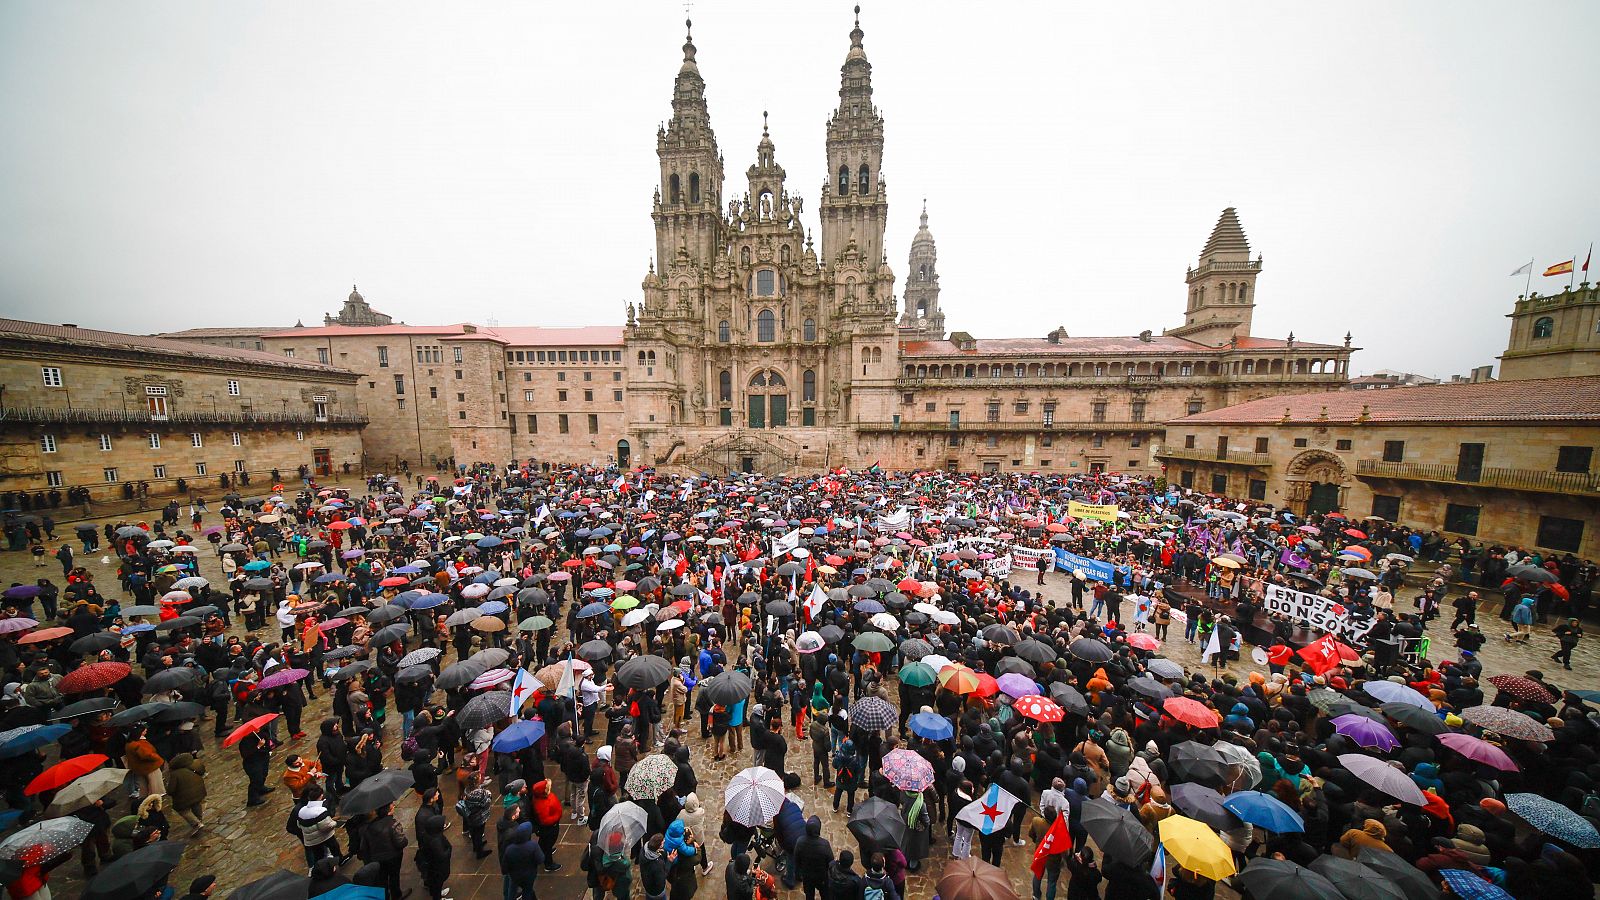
(1056, 840)
(1321, 655)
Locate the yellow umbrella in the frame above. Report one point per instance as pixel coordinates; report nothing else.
(625, 602)
(1225, 562)
(1193, 845)
(958, 679)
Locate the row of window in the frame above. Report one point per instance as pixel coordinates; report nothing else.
(113, 474)
(1098, 410)
(52, 377)
(49, 443)
(562, 356)
(561, 396)
(1469, 456)
(1119, 370)
(563, 423)
(766, 330)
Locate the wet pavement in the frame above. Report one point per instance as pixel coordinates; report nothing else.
(239, 844)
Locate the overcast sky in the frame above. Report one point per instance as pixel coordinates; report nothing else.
(173, 165)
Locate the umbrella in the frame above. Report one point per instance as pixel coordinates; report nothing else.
(44, 841)
(178, 712)
(1015, 685)
(1412, 880)
(1039, 709)
(873, 713)
(595, 650)
(1119, 833)
(1392, 692)
(395, 632)
(85, 708)
(1415, 717)
(1365, 732)
(250, 727)
(346, 673)
(485, 709)
(1204, 804)
(1469, 886)
(1523, 688)
(90, 643)
(413, 675)
(644, 672)
(1164, 668)
(44, 634)
(728, 688)
(491, 678)
(1508, 722)
(418, 657)
(1279, 879)
(626, 818)
(916, 648)
(974, 879)
(175, 678)
(1384, 777)
(462, 617)
(18, 741)
(490, 657)
(907, 770)
(87, 789)
(1191, 712)
(377, 791)
(878, 823)
(64, 772)
(519, 735)
(1036, 652)
(280, 885)
(1532, 573)
(1192, 761)
(1013, 665)
(386, 613)
(753, 796)
(1264, 810)
(932, 726)
(1000, 634)
(1478, 750)
(873, 642)
(958, 679)
(1196, 847)
(281, 678)
(1555, 820)
(1355, 881)
(652, 776)
(1070, 698)
(1146, 686)
(135, 874)
(1091, 650)
(918, 674)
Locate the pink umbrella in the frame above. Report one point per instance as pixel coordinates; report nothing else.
(492, 678)
(907, 770)
(333, 623)
(1143, 641)
(1478, 750)
(281, 678)
(19, 623)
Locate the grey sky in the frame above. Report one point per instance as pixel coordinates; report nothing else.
(172, 165)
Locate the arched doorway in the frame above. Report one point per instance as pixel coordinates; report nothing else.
(624, 453)
(1315, 482)
(767, 400)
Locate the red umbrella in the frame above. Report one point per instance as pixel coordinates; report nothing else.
(64, 772)
(1040, 709)
(1523, 688)
(394, 581)
(44, 634)
(1191, 712)
(987, 686)
(1356, 533)
(250, 727)
(339, 525)
(93, 677)
(1144, 641)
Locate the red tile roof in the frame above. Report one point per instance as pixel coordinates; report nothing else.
(512, 335)
(561, 336)
(1096, 346)
(89, 337)
(366, 331)
(1545, 399)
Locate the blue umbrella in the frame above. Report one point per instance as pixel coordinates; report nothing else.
(488, 541)
(1471, 887)
(428, 601)
(406, 570)
(1264, 810)
(18, 741)
(406, 598)
(519, 736)
(869, 606)
(1555, 820)
(592, 610)
(136, 629)
(1587, 696)
(932, 726)
(327, 578)
(257, 565)
(493, 608)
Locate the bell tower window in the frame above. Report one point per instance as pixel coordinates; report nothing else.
(674, 191)
(862, 181)
(844, 180)
(1544, 327)
(694, 187)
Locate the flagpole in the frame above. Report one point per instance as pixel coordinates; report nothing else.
(1527, 289)
(1572, 274)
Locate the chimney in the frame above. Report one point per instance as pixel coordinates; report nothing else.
(1145, 336)
(469, 329)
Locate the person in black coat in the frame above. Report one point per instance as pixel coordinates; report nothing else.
(813, 856)
(332, 752)
(256, 759)
(433, 849)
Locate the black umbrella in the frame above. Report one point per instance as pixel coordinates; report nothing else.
(280, 885)
(1119, 832)
(413, 674)
(339, 653)
(1415, 717)
(1355, 881)
(1070, 698)
(94, 643)
(141, 609)
(1036, 652)
(877, 823)
(728, 688)
(1011, 664)
(460, 674)
(346, 673)
(84, 708)
(1205, 804)
(485, 709)
(1412, 881)
(395, 632)
(135, 714)
(200, 612)
(1279, 879)
(1146, 686)
(258, 584)
(175, 678)
(490, 657)
(1091, 650)
(386, 613)
(181, 711)
(1000, 634)
(831, 634)
(1192, 761)
(644, 672)
(377, 791)
(595, 650)
(177, 623)
(136, 874)
(780, 608)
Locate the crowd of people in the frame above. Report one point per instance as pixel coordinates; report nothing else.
(527, 647)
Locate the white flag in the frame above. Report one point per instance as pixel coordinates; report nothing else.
(1213, 647)
(814, 603)
(1525, 269)
(786, 543)
(544, 510)
(568, 685)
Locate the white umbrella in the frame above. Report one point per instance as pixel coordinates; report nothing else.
(627, 819)
(945, 617)
(635, 616)
(935, 660)
(753, 796)
(927, 609)
(884, 621)
(810, 642)
(670, 624)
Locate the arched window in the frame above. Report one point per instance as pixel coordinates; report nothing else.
(775, 380)
(766, 283)
(744, 256)
(808, 330)
(650, 357)
(1544, 327)
(808, 387)
(844, 180)
(641, 357)
(862, 180)
(766, 327)
(1244, 293)
(694, 187)
(673, 191)
(725, 386)
(722, 332)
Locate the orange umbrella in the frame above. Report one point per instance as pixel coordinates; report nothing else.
(250, 727)
(958, 679)
(64, 773)
(1191, 712)
(44, 634)
(340, 525)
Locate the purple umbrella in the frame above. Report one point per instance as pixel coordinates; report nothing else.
(1016, 684)
(18, 623)
(1365, 732)
(353, 554)
(281, 679)
(1478, 750)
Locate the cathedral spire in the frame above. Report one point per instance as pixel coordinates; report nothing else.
(691, 168)
(1227, 239)
(921, 318)
(854, 200)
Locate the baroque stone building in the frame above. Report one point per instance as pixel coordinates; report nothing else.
(1554, 335)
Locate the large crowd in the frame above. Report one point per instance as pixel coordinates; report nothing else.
(521, 648)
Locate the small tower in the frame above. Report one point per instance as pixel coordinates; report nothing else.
(922, 319)
(766, 177)
(1222, 289)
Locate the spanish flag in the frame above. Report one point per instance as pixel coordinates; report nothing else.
(1560, 268)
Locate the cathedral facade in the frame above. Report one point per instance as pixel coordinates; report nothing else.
(755, 348)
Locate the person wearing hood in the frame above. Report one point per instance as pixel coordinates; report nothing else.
(433, 851)
(317, 829)
(547, 814)
(653, 868)
(187, 789)
(1372, 833)
(1426, 776)
(1119, 752)
(520, 861)
(876, 882)
(326, 877)
(473, 807)
(686, 859)
(1522, 621)
(847, 774)
(813, 855)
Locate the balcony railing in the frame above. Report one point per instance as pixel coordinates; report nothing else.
(1505, 479)
(48, 415)
(913, 382)
(1230, 457)
(981, 427)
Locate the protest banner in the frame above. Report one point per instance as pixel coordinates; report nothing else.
(1104, 513)
(1317, 611)
(1029, 559)
(1098, 570)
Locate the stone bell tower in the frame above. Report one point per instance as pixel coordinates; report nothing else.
(922, 319)
(1222, 289)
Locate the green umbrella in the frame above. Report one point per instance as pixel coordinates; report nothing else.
(535, 623)
(918, 674)
(873, 642)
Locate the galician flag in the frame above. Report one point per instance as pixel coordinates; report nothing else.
(990, 812)
(568, 685)
(813, 605)
(521, 690)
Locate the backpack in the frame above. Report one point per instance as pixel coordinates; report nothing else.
(872, 889)
(409, 748)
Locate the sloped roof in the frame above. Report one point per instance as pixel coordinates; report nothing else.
(220, 332)
(1159, 344)
(1543, 399)
(89, 337)
(520, 336)
(1226, 237)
